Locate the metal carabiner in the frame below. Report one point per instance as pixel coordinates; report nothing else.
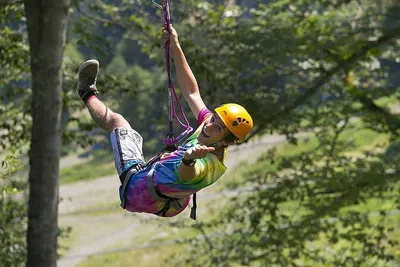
(157, 4)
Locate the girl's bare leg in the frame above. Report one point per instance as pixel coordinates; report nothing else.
(103, 116)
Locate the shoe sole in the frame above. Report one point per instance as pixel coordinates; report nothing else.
(87, 63)
(84, 65)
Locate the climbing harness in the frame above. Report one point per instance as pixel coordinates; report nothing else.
(158, 196)
(170, 140)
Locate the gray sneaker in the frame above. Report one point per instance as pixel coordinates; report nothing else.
(87, 76)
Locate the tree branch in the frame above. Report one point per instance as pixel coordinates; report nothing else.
(392, 121)
(342, 66)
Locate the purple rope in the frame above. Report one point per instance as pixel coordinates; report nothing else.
(172, 97)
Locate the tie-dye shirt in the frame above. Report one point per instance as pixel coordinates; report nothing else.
(166, 178)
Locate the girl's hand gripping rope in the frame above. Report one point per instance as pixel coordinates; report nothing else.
(171, 36)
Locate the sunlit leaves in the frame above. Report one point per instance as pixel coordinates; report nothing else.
(12, 214)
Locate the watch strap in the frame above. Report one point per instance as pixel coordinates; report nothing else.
(189, 162)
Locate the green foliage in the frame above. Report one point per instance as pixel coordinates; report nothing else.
(15, 125)
(72, 53)
(145, 106)
(15, 122)
(14, 74)
(13, 221)
(15, 91)
(141, 98)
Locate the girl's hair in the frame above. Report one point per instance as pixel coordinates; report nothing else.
(230, 137)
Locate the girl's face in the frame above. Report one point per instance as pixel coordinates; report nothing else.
(213, 131)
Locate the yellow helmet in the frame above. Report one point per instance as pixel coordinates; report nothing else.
(236, 119)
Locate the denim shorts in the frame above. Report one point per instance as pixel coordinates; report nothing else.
(127, 148)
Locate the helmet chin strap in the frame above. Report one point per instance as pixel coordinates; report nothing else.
(219, 144)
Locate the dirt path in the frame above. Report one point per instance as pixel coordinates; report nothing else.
(93, 233)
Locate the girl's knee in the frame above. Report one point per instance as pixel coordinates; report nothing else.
(118, 121)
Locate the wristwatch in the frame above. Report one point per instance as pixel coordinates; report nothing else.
(189, 162)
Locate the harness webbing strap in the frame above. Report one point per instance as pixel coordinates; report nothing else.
(131, 172)
(165, 209)
(194, 207)
(158, 196)
(155, 195)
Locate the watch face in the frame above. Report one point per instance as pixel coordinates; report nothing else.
(190, 162)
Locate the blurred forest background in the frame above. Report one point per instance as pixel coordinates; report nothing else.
(325, 74)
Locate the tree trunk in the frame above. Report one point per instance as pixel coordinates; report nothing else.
(47, 24)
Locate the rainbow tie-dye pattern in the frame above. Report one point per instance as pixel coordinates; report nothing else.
(167, 181)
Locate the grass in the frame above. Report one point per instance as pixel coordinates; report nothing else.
(87, 171)
(105, 208)
(155, 256)
(363, 138)
(102, 164)
(67, 241)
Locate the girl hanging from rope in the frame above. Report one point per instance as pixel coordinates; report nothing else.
(164, 187)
